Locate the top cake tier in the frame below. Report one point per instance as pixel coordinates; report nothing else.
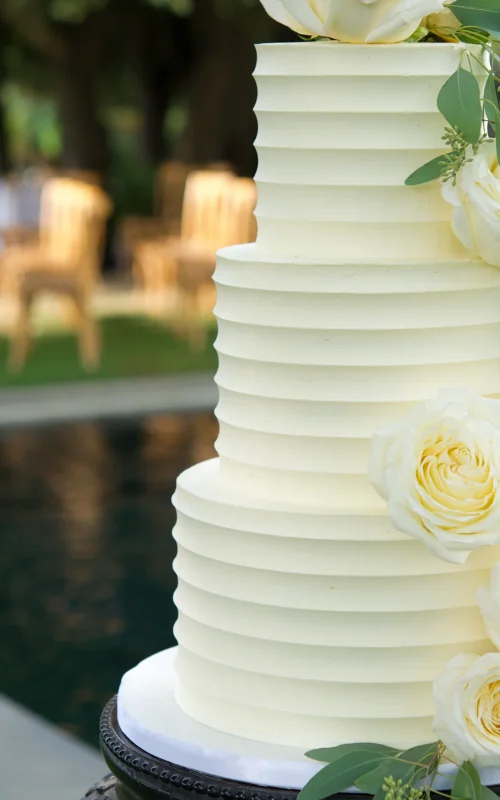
(340, 129)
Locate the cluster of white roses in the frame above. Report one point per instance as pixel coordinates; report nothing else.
(467, 694)
(439, 470)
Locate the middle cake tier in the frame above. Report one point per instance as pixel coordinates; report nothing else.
(304, 617)
(314, 358)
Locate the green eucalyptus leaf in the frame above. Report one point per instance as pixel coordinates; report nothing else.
(459, 101)
(497, 134)
(478, 13)
(428, 172)
(409, 766)
(491, 98)
(342, 773)
(467, 784)
(371, 783)
(487, 794)
(472, 35)
(331, 754)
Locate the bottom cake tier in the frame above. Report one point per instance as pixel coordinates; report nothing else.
(307, 627)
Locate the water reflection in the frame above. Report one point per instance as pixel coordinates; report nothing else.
(86, 577)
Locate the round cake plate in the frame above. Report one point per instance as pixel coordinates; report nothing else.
(148, 739)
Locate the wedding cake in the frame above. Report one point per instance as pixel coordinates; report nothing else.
(306, 618)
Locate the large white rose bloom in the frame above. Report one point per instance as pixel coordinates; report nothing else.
(488, 600)
(476, 204)
(439, 470)
(356, 21)
(467, 701)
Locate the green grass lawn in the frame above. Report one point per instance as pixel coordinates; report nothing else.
(132, 347)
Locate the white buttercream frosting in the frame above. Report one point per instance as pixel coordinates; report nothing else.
(304, 618)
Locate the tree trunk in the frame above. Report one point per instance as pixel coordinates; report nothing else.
(221, 125)
(153, 76)
(5, 161)
(84, 137)
(162, 56)
(155, 101)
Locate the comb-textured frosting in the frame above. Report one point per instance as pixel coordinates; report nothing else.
(305, 619)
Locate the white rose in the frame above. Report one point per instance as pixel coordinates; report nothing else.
(476, 204)
(488, 600)
(467, 701)
(439, 470)
(356, 21)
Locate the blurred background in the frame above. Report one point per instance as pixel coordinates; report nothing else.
(126, 161)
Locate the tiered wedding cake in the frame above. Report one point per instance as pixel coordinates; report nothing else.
(304, 617)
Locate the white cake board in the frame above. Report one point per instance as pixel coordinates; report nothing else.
(149, 716)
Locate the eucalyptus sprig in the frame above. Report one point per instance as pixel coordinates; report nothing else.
(467, 107)
(390, 774)
(459, 153)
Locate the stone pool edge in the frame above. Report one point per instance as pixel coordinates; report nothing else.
(107, 399)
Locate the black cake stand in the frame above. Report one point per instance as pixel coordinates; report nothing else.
(137, 775)
(140, 776)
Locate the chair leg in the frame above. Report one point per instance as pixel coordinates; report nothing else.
(21, 336)
(196, 331)
(88, 335)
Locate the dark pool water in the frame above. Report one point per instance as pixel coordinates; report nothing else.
(86, 578)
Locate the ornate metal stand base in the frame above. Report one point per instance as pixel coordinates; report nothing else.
(106, 790)
(140, 776)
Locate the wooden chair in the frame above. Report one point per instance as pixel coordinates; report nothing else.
(22, 233)
(239, 208)
(228, 219)
(142, 238)
(201, 219)
(64, 261)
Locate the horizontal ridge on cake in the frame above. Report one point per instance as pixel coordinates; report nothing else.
(305, 617)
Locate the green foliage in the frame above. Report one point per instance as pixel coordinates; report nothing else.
(467, 784)
(459, 101)
(343, 772)
(458, 155)
(482, 13)
(466, 111)
(487, 794)
(397, 790)
(330, 754)
(470, 35)
(407, 775)
(426, 173)
(490, 99)
(408, 767)
(74, 11)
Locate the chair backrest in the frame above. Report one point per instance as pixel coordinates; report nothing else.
(239, 207)
(170, 184)
(203, 219)
(72, 225)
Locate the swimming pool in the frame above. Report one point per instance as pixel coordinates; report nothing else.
(86, 578)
